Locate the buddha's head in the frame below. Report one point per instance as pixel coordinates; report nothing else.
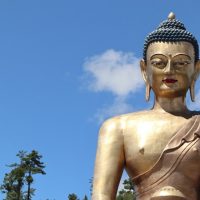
(170, 64)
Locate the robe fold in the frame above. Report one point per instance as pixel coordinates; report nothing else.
(176, 174)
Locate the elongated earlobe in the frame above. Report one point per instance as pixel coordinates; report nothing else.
(192, 91)
(196, 75)
(148, 90)
(144, 75)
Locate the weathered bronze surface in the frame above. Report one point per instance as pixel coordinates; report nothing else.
(159, 148)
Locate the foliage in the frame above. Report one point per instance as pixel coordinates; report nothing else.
(72, 197)
(85, 198)
(13, 183)
(91, 185)
(128, 192)
(22, 174)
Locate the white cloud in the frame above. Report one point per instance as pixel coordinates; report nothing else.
(116, 72)
(118, 107)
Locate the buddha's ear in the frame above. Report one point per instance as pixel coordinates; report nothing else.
(143, 68)
(195, 77)
(197, 70)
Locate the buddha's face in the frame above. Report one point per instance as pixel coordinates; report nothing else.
(170, 68)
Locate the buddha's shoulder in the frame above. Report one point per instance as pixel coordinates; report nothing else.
(119, 122)
(130, 116)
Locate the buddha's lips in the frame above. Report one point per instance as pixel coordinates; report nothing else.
(169, 80)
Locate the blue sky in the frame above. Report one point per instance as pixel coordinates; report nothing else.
(64, 67)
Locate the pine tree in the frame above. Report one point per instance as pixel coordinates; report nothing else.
(91, 185)
(128, 192)
(85, 198)
(21, 174)
(13, 183)
(72, 197)
(33, 165)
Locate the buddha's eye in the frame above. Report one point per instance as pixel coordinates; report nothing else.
(158, 63)
(180, 64)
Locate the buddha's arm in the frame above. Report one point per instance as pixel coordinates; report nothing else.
(109, 162)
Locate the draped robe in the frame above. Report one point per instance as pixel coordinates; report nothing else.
(176, 174)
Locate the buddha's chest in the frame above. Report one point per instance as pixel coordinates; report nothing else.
(144, 143)
(177, 168)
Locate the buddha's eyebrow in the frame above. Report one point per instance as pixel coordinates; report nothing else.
(158, 54)
(182, 54)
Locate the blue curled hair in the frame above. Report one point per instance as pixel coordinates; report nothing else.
(171, 30)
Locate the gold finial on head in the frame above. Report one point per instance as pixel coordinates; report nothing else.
(171, 16)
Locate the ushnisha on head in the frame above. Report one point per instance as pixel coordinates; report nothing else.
(170, 64)
(171, 30)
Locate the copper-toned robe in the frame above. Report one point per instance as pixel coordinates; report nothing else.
(176, 174)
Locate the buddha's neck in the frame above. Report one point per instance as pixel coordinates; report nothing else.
(171, 105)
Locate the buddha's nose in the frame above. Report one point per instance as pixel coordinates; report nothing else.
(169, 68)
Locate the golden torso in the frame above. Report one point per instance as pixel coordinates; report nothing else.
(133, 142)
(143, 143)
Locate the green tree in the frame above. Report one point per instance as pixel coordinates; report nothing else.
(21, 174)
(13, 183)
(91, 185)
(85, 198)
(32, 165)
(72, 197)
(128, 192)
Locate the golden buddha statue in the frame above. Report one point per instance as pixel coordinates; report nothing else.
(159, 148)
